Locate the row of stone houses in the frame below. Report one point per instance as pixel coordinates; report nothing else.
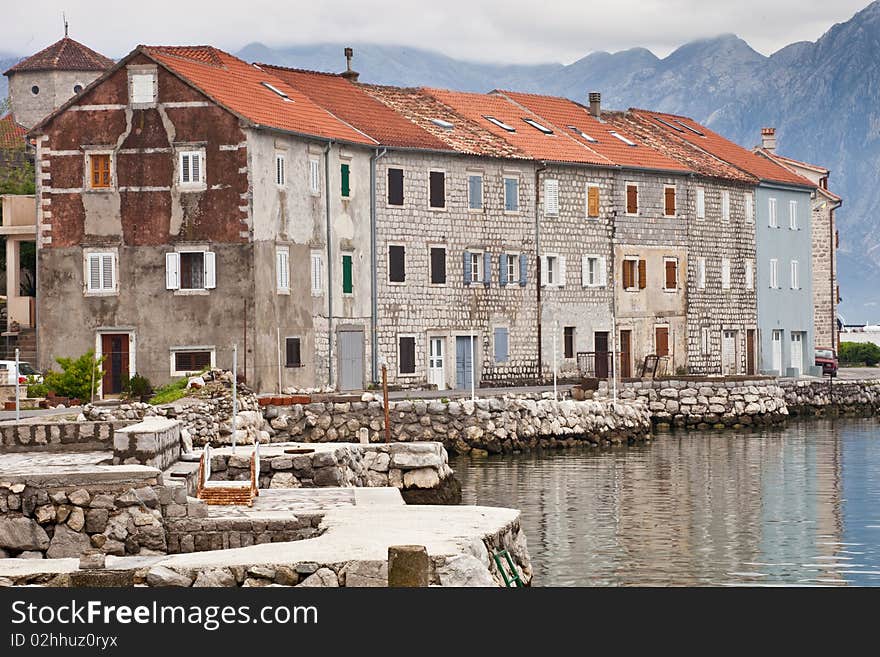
(189, 201)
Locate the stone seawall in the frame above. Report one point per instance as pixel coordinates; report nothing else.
(831, 398)
(190, 534)
(30, 436)
(494, 424)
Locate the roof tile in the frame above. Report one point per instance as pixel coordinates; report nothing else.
(64, 55)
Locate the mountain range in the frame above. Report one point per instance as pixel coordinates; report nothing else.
(823, 97)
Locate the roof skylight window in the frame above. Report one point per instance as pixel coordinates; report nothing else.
(440, 123)
(583, 135)
(538, 126)
(668, 124)
(276, 90)
(501, 124)
(626, 141)
(694, 130)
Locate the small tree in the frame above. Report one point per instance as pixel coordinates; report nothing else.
(860, 352)
(78, 378)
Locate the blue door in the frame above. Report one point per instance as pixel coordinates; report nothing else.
(463, 363)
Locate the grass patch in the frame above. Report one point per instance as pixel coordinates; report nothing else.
(171, 392)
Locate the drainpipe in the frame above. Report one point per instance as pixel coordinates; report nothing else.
(329, 265)
(538, 171)
(374, 282)
(615, 357)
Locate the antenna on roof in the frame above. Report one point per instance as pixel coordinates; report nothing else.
(64, 18)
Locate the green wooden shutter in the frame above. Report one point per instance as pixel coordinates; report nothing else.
(346, 188)
(347, 286)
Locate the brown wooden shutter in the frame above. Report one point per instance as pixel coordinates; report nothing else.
(643, 274)
(632, 199)
(671, 275)
(670, 201)
(627, 274)
(592, 201)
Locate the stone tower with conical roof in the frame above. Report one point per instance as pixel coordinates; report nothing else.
(43, 82)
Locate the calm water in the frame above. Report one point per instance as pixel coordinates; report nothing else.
(799, 506)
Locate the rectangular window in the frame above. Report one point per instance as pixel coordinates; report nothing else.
(314, 176)
(192, 361)
(725, 273)
(634, 274)
(701, 273)
(143, 88)
(396, 264)
(632, 199)
(406, 355)
(192, 169)
(725, 205)
(771, 209)
(501, 345)
(705, 340)
(701, 203)
(476, 267)
(553, 270)
(774, 273)
(282, 269)
(792, 215)
(593, 271)
(551, 197)
(395, 186)
(568, 341)
(280, 173)
(749, 206)
(190, 270)
(509, 267)
(593, 201)
(750, 275)
(511, 194)
(317, 266)
(437, 184)
(438, 265)
(475, 192)
(293, 353)
(99, 164)
(669, 200)
(345, 179)
(795, 279)
(670, 283)
(347, 274)
(101, 274)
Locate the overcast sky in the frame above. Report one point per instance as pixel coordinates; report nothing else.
(521, 31)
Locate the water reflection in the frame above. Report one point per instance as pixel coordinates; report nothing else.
(797, 507)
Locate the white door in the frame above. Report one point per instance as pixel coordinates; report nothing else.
(797, 352)
(436, 375)
(728, 352)
(777, 351)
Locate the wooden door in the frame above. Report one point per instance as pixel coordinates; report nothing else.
(351, 360)
(600, 347)
(463, 362)
(750, 351)
(625, 354)
(661, 340)
(114, 348)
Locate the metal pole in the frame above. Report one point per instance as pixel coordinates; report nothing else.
(17, 375)
(473, 373)
(555, 332)
(234, 392)
(385, 397)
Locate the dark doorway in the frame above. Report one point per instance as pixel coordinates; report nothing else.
(750, 351)
(600, 346)
(625, 354)
(114, 348)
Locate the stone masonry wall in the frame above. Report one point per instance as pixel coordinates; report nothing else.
(67, 436)
(190, 534)
(153, 441)
(824, 273)
(812, 397)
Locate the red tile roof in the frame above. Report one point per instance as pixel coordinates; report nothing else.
(64, 55)
(241, 88)
(354, 105)
(732, 153)
(12, 135)
(555, 147)
(565, 114)
(791, 160)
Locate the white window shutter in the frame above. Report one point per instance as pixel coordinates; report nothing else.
(317, 285)
(107, 271)
(561, 282)
(585, 270)
(279, 271)
(551, 196)
(94, 282)
(196, 168)
(172, 271)
(184, 168)
(543, 271)
(603, 272)
(210, 270)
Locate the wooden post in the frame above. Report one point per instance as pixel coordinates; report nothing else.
(385, 397)
(408, 566)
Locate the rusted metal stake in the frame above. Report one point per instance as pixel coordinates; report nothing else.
(385, 396)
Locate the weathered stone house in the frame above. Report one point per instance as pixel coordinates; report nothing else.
(184, 208)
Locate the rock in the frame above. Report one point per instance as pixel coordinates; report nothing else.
(22, 534)
(45, 513)
(31, 554)
(59, 497)
(465, 570)
(421, 478)
(323, 577)
(365, 574)
(286, 576)
(215, 577)
(284, 480)
(77, 519)
(163, 576)
(331, 476)
(67, 543)
(410, 461)
(261, 571)
(79, 497)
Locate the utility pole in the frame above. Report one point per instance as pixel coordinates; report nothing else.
(234, 392)
(17, 392)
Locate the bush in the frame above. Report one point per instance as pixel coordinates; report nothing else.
(857, 353)
(35, 388)
(138, 387)
(172, 392)
(78, 378)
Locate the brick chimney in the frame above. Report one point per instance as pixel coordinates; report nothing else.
(596, 104)
(349, 74)
(768, 139)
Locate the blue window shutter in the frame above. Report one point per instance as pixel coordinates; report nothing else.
(467, 267)
(502, 269)
(487, 268)
(523, 269)
(501, 345)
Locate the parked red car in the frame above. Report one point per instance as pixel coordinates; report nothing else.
(826, 358)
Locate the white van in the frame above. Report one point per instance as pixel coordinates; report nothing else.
(7, 372)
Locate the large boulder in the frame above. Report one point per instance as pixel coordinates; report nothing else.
(465, 570)
(22, 534)
(163, 576)
(67, 543)
(323, 577)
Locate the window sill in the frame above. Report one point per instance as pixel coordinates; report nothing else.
(476, 211)
(511, 212)
(283, 293)
(192, 293)
(185, 187)
(100, 190)
(397, 283)
(392, 206)
(105, 293)
(294, 367)
(433, 209)
(438, 284)
(407, 375)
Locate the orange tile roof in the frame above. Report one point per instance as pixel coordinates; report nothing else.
(239, 87)
(354, 105)
(12, 135)
(64, 55)
(565, 114)
(783, 159)
(742, 158)
(556, 147)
